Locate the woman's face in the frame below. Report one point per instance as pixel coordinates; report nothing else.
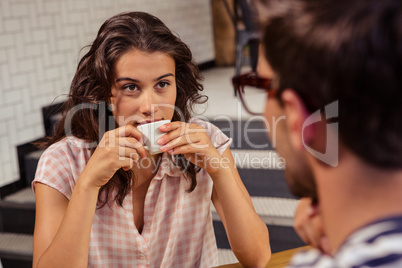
(144, 88)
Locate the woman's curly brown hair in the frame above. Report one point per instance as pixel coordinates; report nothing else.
(94, 78)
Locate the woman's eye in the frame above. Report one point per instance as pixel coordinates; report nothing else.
(130, 87)
(163, 84)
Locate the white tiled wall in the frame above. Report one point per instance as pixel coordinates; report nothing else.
(39, 50)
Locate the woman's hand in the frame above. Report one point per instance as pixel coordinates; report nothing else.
(308, 225)
(193, 142)
(118, 148)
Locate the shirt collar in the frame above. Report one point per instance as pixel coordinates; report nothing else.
(167, 167)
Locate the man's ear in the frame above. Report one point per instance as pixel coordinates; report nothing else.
(296, 113)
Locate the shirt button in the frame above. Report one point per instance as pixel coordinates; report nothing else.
(143, 257)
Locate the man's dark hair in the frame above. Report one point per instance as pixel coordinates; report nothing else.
(349, 51)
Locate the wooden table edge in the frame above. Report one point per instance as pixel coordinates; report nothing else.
(278, 259)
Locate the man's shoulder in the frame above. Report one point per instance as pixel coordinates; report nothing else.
(311, 258)
(378, 244)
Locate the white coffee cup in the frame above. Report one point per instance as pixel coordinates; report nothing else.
(151, 133)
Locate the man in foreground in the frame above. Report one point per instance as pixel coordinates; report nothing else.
(336, 76)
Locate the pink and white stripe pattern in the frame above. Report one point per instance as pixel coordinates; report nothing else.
(177, 230)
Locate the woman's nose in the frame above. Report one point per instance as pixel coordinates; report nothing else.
(148, 105)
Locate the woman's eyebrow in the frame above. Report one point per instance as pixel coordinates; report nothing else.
(138, 81)
(128, 79)
(163, 76)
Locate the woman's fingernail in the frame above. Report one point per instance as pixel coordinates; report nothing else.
(163, 148)
(160, 141)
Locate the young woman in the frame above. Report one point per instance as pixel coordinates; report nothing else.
(102, 200)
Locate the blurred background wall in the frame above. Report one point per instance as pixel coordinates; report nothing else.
(40, 42)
